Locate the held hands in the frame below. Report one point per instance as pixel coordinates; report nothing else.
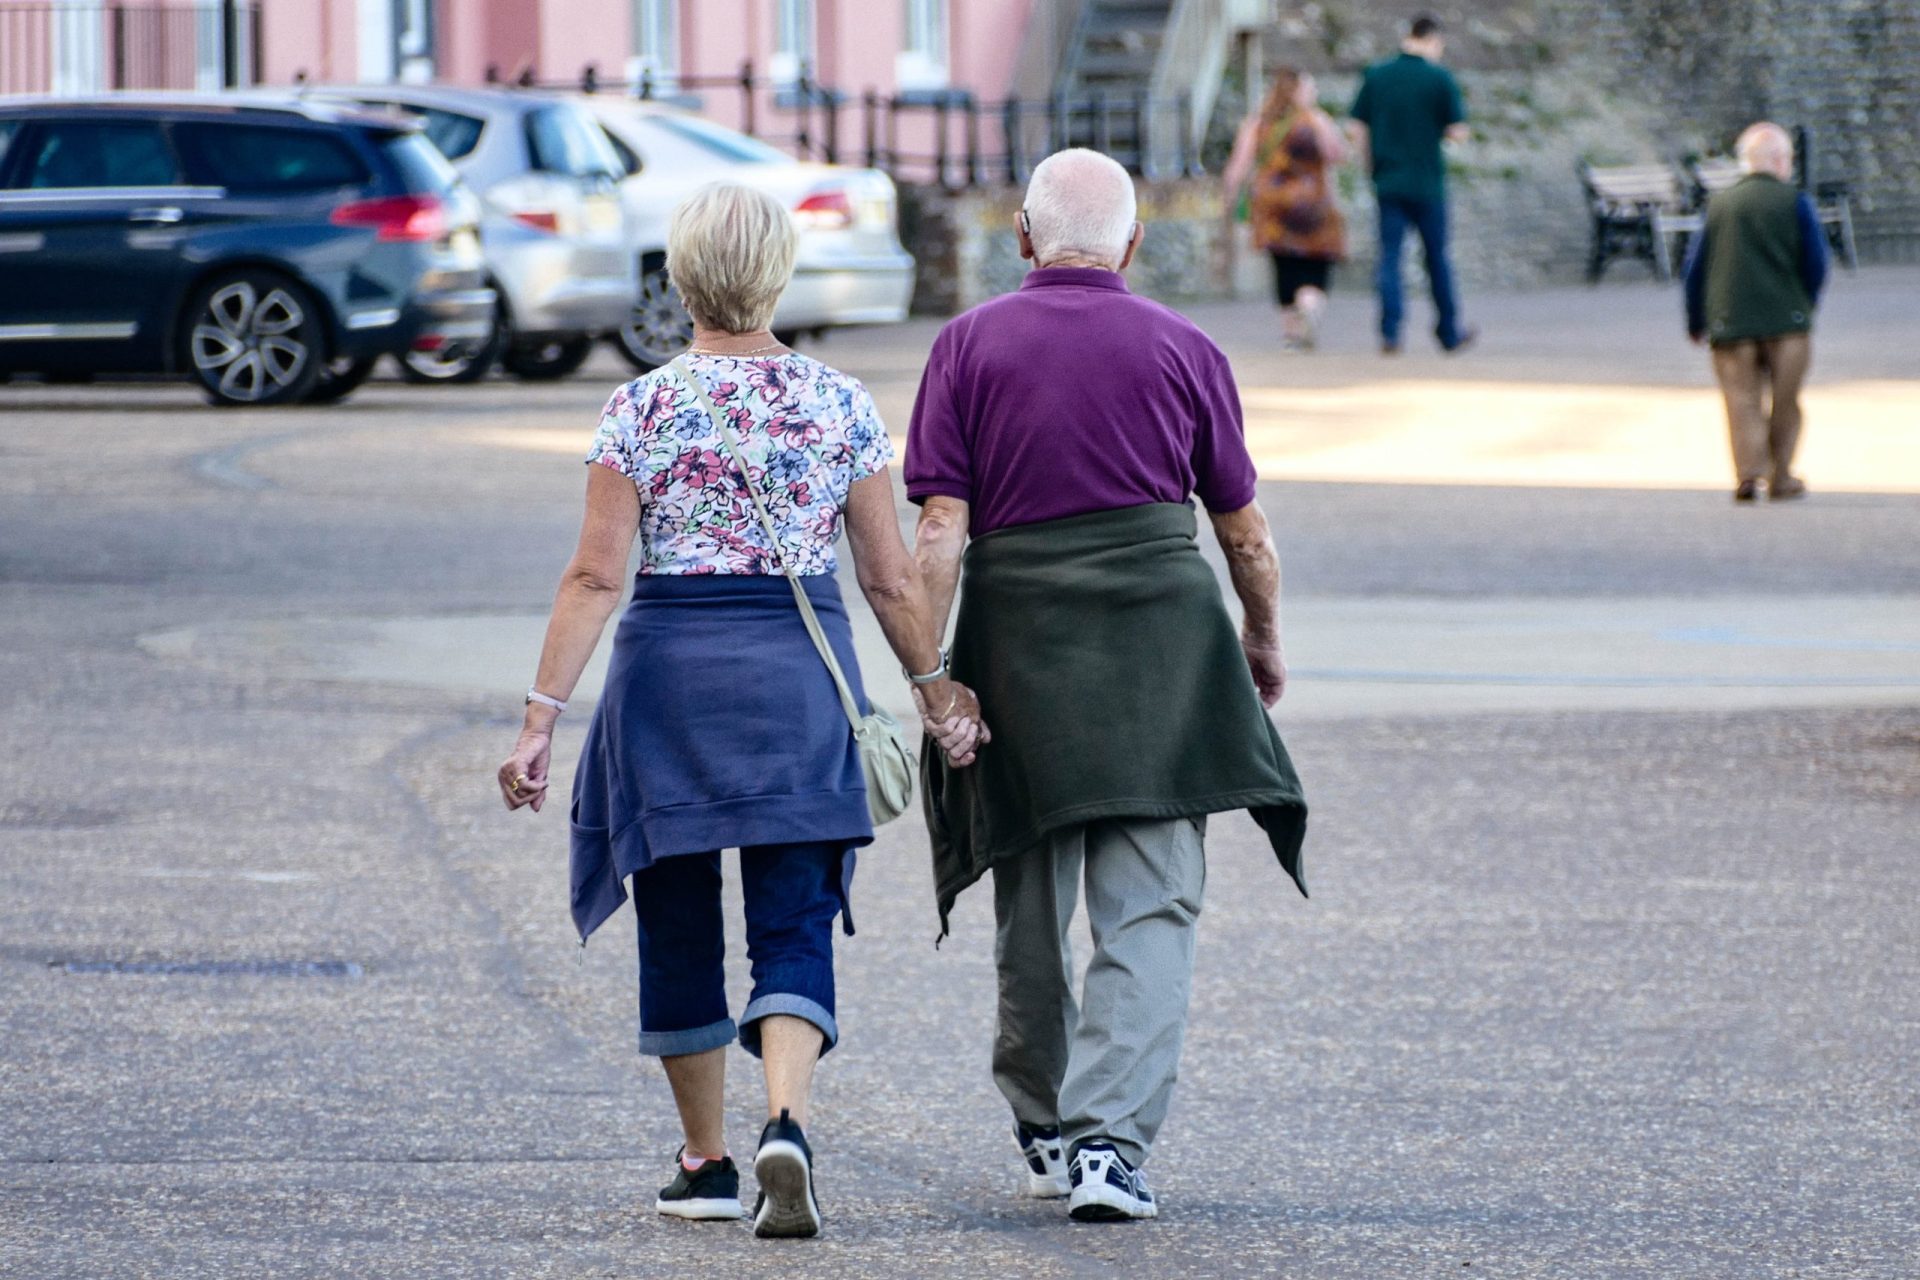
(958, 727)
(1267, 659)
(523, 778)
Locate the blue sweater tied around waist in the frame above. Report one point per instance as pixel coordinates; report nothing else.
(718, 728)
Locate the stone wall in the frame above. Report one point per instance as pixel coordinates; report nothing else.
(1548, 83)
(968, 252)
(1848, 70)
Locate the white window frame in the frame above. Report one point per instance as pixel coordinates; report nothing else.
(656, 44)
(922, 63)
(794, 33)
(79, 49)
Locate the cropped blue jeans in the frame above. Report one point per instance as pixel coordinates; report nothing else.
(792, 893)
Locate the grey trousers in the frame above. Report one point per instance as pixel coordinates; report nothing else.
(1103, 1068)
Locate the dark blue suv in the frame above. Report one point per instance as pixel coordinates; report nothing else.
(270, 252)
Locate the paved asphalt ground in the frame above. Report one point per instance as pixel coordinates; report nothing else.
(1612, 968)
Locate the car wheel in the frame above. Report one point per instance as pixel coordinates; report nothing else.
(340, 377)
(659, 327)
(544, 361)
(253, 338)
(456, 363)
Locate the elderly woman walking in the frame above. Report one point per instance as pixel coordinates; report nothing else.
(1289, 149)
(723, 724)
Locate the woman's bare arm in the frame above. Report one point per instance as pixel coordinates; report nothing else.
(589, 592)
(1240, 163)
(1333, 144)
(892, 584)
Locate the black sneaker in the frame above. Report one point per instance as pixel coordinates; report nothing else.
(710, 1193)
(784, 1169)
(1106, 1188)
(1046, 1162)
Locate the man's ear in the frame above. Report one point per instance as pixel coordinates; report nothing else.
(1022, 228)
(1133, 245)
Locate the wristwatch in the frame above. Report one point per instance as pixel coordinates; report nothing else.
(934, 676)
(534, 695)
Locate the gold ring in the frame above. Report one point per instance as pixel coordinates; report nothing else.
(514, 785)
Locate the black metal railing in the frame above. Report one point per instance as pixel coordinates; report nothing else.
(88, 48)
(949, 138)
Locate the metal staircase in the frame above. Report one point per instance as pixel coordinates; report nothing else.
(1134, 78)
(1115, 48)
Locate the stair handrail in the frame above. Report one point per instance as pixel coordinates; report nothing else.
(1046, 46)
(1192, 62)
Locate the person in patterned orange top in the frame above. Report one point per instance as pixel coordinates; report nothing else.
(1288, 151)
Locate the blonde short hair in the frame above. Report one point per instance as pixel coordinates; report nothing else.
(730, 254)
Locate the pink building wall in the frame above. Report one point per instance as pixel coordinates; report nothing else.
(857, 42)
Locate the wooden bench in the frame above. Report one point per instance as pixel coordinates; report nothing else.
(1630, 205)
(1831, 203)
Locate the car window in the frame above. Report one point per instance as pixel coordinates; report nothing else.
(98, 153)
(629, 158)
(719, 140)
(563, 140)
(424, 170)
(269, 159)
(453, 135)
(7, 129)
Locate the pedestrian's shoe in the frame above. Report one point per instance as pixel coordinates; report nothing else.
(1046, 1173)
(784, 1169)
(710, 1193)
(1466, 338)
(1786, 488)
(1389, 347)
(1747, 492)
(1106, 1188)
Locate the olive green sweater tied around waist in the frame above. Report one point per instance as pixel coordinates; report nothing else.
(1114, 681)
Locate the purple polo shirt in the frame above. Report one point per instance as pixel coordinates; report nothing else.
(1073, 395)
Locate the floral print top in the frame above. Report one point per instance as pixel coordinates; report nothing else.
(809, 431)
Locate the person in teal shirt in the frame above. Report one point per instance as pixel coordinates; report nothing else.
(1407, 106)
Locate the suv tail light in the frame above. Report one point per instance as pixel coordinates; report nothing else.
(825, 210)
(408, 218)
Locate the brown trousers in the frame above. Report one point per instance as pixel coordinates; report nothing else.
(1764, 435)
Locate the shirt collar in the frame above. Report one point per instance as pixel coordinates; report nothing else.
(1075, 278)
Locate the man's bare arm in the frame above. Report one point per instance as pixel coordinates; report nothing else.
(1358, 135)
(1253, 564)
(937, 544)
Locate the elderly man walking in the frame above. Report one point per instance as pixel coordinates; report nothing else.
(1753, 278)
(1065, 428)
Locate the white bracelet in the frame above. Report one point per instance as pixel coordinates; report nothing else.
(534, 695)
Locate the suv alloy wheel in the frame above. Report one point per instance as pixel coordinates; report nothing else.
(253, 338)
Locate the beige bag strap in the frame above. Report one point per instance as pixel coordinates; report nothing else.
(807, 614)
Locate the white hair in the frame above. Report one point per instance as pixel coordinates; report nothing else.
(1079, 205)
(730, 254)
(1765, 148)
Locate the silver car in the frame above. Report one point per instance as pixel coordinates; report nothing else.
(553, 224)
(851, 267)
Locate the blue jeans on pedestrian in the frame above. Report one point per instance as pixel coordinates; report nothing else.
(1429, 219)
(792, 893)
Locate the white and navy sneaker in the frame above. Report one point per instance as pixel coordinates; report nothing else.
(784, 1169)
(1046, 1173)
(710, 1193)
(1106, 1188)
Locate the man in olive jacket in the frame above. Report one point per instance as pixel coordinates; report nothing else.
(1753, 279)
